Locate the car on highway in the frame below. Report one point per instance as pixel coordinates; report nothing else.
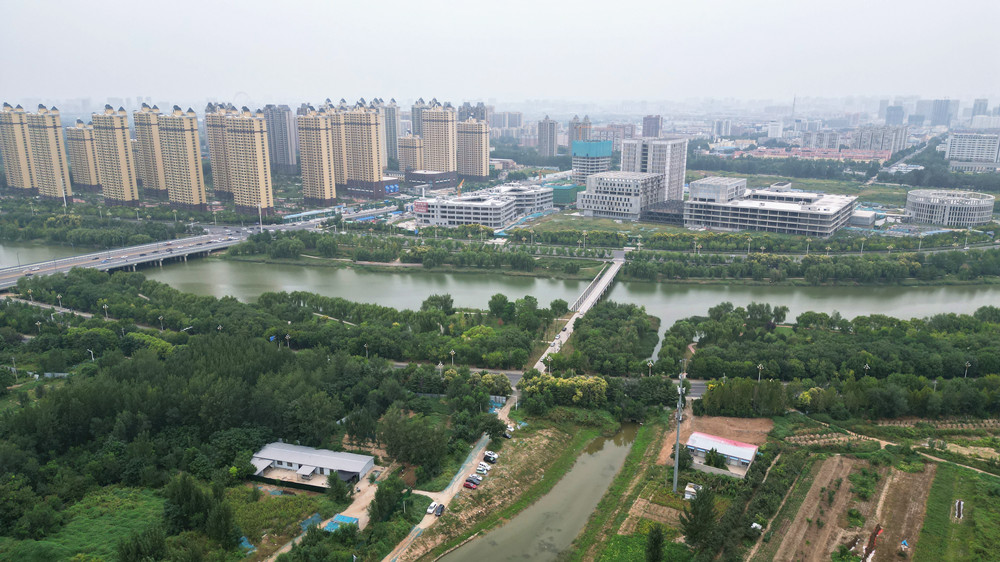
(36, 268)
(432, 507)
(470, 485)
(564, 328)
(439, 511)
(28, 272)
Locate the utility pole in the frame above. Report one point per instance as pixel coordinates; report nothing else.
(677, 444)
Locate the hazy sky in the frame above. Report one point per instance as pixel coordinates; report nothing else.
(291, 51)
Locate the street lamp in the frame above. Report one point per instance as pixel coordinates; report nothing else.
(762, 249)
(91, 354)
(808, 241)
(866, 369)
(585, 240)
(105, 311)
(366, 351)
(219, 328)
(967, 365)
(890, 247)
(38, 324)
(650, 365)
(863, 246)
(677, 443)
(549, 359)
(749, 239)
(760, 369)
(161, 322)
(828, 248)
(452, 352)
(59, 297)
(30, 298)
(288, 341)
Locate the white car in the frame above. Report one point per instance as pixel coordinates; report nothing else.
(432, 507)
(484, 466)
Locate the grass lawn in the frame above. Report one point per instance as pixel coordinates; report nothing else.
(976, 536)
(566, 221)
(94, 527)
(628, 548)
(875, 193)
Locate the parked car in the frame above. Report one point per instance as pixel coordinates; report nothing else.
(440, 510)
(484, 466)
(482, 471)
(470, 485)
(564, 328)
(476, 477)
(510, 428)
(507, 435)
(432, 507)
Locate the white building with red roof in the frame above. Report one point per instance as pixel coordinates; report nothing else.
(737, 453)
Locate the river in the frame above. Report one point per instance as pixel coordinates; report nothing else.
(549, 526)
(20, 253)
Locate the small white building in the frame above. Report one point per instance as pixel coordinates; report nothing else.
(691, 491)
(307, 461)
(737, 453)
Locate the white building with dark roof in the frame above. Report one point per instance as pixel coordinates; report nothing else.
(307, 461)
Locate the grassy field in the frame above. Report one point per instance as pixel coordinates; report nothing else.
(976, 536)
(95, 526)
(628, 548)
(567, 221)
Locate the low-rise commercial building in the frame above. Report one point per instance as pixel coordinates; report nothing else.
(621, 195)
(725, 204)
(306, 462)
(490, 210)
(737, 453)
(949, 207)
(527, 198)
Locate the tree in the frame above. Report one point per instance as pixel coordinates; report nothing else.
(559, 307)
(491, 425)
(337, 489)
(220, 526)
(387, 498)
(698, 519)
(444, 303)
(686, 459)
(498, 305)
(654, 544)
(148, 544)
(715, 458)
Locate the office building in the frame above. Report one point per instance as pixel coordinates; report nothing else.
(411, 153)
(115, 159)
(949, 207)
(873, 137)
(15, 148)
(215, 136)
(973, 147)
(282, 138)
(980, 107)
(894, 115)
(515, 119)
(249, 158)
(548, 142)
(821, 139)
(362, 126)
(725, 204)
(181, 145)
(985, 122)
(491, 211)
(620, 195)
(50, 171)
(882, 106)
(473, 154)
(722, 127)
(316, 150)
(775, 129)
(651, 126)
(941, 114)
(149, 159)
(82, 157)
(658, 156)
(528, 199)
(417, 116)
(579, 130)
(390, 118)
(506, 120)
(439, 134)
(589, 158)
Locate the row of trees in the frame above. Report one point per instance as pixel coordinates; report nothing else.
(937, 174)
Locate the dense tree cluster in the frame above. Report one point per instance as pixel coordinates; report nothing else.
(937, 174)
(611, 339)
(82, 230)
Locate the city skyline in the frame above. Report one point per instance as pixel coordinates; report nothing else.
(765, 36)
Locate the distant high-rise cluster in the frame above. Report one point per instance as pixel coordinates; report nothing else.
(579, 130)
(34, 151)
(874, 137)
(241, 158)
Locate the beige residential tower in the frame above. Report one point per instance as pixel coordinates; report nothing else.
(115, 161)
(82, 156)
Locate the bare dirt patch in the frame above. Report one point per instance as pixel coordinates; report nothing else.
(901, 512)
(747, 430)
(982, 452)
(644, 509)
(805, 539)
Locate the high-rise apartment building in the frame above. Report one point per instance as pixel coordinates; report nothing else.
(980, 107)
(282, 138)
(181, 145)
(416, 116)
(215, 133)
(150, 156)
(82, 157)
(364, 159)
(316, 149)
(874, 137)
(548, 143)
(439, 134)
(821, 139)
(941, 113)
(651, 125)
(515, 119)
(411, 153)
(722, 127)
(115, 159)
(15, 147)
(473, 149)
(658, 156)
(882, 106)
(50, 171)
(468, 111)
(390, 115)
(894, 115)
(579, 130)
(249, 160)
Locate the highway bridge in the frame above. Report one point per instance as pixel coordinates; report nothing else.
(129, 258)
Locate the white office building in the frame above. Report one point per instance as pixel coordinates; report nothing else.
(620, 195)
(487, 209)
(949, 207)
(527, 198)
(973, 147)
(666, 156)
(726, 205)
